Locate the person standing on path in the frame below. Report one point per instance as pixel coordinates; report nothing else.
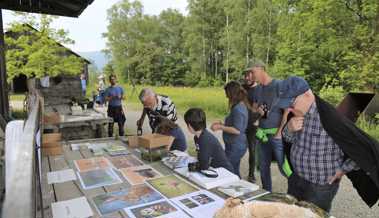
(235, 125)
(114, 95)
(275, 111)
(83, 83)
(252, 125)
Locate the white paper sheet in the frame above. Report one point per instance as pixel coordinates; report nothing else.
(201, 204)
(236, 189)
(74, 208)
(61, 176)
(224, 177)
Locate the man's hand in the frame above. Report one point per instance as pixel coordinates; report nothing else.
(295, 124)
(337, 177)
(278, 135)
(139, 123)
(260, 110)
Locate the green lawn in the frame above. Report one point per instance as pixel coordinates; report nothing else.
(17, 97)
(211, 100)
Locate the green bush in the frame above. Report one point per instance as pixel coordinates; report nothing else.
(333, 95)
(370, 128)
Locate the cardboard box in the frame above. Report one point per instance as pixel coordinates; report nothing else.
(133, 141)
(51, 118)
(51, 137)
(51, 144)
(53, 150)
(151, 141)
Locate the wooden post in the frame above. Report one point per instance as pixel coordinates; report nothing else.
(4, 104)
(228, 49)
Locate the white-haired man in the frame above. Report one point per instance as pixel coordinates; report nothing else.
(155, 107)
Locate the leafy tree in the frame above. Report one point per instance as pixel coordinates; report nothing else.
(330, 43)
(146, 49)
(334, 44)
(37, 52)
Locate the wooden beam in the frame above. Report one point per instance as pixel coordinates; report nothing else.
(69, 8)
(4, 103)
(20, 195)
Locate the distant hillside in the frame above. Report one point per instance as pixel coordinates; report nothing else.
(97, 57)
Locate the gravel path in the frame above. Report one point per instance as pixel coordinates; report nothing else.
(347, 203)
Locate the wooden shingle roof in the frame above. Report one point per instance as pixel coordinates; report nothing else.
(69, 8)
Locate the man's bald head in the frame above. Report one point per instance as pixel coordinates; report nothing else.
(148, 98)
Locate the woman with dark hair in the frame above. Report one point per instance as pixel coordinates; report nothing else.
(234, 127)
(168, 127)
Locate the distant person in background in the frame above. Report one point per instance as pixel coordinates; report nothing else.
(209, 150)
(235, 125)
(83, 83)
(101, 89)
(170, 128)
(114, 95)
(155, 106)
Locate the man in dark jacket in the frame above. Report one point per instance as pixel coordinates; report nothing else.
(324, 147)
(252, 125)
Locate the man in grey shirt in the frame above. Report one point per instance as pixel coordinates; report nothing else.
(266, 97)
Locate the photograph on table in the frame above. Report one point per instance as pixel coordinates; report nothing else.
(92, 164)
(201, 204)
(253, 195)
(97, 146)
(97, 178)
(139, 174)
(132, 196)
(125, 161)
(239, 188)
(188, 203)
(114, 148)
(162, 209)
(178, 162)
(202, 199)
(77, 146)
(172, 186)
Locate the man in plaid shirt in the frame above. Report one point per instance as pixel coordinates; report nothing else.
(318, 162)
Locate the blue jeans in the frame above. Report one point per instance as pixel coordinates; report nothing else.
(320, 195)
(234, 153)
(265, 156)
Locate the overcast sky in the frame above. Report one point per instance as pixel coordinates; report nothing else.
(88, 28)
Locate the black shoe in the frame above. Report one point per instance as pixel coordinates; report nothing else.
(251, 179)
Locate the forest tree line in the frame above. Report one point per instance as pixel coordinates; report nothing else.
(331, 43)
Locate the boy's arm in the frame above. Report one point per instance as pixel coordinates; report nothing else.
(203, 155)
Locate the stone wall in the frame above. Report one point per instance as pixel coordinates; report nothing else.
(62, 90)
